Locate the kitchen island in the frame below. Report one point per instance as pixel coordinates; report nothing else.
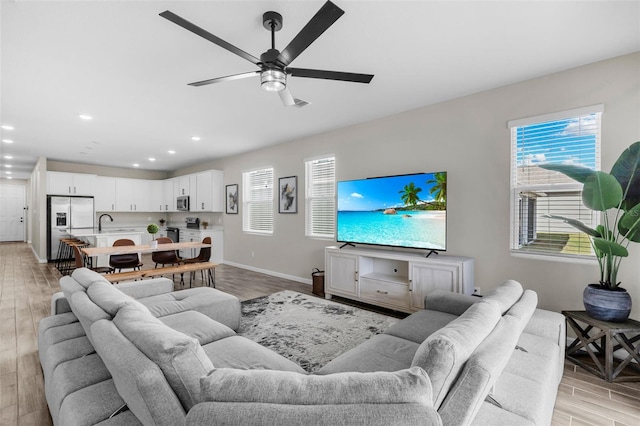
(106, 238)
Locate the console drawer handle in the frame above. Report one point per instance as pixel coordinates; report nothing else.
(382, 292)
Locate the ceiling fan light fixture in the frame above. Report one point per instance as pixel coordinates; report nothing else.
(273, 80)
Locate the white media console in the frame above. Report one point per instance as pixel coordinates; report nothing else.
(396, 280)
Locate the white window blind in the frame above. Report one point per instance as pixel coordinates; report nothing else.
(570, 137)
(257, 214)
(320, 184)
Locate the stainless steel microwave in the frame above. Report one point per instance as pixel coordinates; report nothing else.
(182, 203)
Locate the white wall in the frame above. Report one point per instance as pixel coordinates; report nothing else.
(467, 137)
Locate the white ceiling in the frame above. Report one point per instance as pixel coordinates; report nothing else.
(128, 68)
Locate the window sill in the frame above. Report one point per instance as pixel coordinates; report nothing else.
(583, 260)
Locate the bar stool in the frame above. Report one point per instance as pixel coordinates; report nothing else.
(65, 260)
(80, 260)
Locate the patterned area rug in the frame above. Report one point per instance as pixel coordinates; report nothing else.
(308, 330)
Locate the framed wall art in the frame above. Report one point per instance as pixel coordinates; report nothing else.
(232, 199)
(288, 194)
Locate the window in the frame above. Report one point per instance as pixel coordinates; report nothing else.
(320, 202)
(257, 196)
(567, 137)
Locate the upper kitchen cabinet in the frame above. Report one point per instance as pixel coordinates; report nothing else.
(133, 195)
(208, 192)
(62, 183)
(105, 198)
(183, 186)
(156, 195)
(168, 199)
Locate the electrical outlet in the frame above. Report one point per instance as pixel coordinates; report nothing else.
(476, 290)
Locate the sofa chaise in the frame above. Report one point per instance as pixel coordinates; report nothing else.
(141, 353)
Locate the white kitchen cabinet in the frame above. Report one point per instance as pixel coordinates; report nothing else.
(183, 185)
(156, 195)
(132, 195)
(105, 198)
(63, 183)
(393, 279)
(168, 199)
(208, 192)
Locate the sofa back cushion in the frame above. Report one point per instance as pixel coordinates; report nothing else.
(505, 295)
(110, 299)
(524, 309)
(180, 357)
(87, 312)
(443, 354)
(85, 277)
(480, 373)
(291, 388)
(139, 381)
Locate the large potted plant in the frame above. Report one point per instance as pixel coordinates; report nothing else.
(617, 196)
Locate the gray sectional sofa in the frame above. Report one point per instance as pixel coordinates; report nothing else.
(140, 353)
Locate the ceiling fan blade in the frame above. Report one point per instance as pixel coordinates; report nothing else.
(207, 35)
(288, 99)
(330, 75)
(321, 21)
(226, 78)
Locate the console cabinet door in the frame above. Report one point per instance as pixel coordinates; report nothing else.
(341, 274)
(424, 279)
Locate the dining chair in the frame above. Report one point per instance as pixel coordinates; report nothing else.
(80, 263)
(169, 257)
(203, 256)
(124, 261)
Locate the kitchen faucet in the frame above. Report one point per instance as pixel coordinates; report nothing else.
(100, 220)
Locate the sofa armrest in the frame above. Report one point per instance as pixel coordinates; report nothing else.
(451, 303)
(242, 413)
(59, 304)
(146, 288)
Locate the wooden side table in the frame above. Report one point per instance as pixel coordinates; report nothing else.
(602, 338)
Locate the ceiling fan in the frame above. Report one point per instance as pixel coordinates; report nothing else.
(273, 64)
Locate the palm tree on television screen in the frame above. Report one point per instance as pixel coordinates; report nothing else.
(439, 190)
(409, 194)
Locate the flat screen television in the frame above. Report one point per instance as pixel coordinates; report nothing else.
(400, 211)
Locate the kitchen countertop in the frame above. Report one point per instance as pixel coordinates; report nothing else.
(95, 232)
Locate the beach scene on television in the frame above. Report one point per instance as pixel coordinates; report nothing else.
(402, 211)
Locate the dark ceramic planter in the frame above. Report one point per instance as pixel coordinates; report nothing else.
(607, 305)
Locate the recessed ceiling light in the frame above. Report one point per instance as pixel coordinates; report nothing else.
(7, 127)
(136, 165)
(8, 157)
(85, 117)
(171, 151)
(9, 177)
(8, 172)
(195, 138)
(7, 141)
(152, 159)
(8, 165)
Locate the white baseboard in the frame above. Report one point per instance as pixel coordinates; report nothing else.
(36, 255)
(268, 272)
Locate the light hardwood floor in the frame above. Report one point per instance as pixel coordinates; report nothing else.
(25, 292)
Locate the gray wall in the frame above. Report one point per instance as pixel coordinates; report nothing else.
(467, 137)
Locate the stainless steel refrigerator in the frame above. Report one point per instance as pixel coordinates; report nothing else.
(64, 216)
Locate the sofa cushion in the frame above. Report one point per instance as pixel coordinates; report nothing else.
(179, 356)
(284, 387)
(87, 311)
(443, 354)
(505, 295)
(381, 352)
(493, 415)
(139, 381)
(449, 302)
(480, 373)
(64, 351)
(420, 325)
(110, 299)
(219, 306)
(524, 308)
(240, 352)
(91, 405)
(85, 277)
(197, 325)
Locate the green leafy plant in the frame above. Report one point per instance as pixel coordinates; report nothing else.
(152, 229)
(617, 195)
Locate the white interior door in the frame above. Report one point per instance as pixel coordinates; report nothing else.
(12, 213)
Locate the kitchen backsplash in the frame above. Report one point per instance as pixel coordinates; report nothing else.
(121, 219)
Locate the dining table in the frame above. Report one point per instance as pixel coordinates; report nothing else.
(144, 248)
